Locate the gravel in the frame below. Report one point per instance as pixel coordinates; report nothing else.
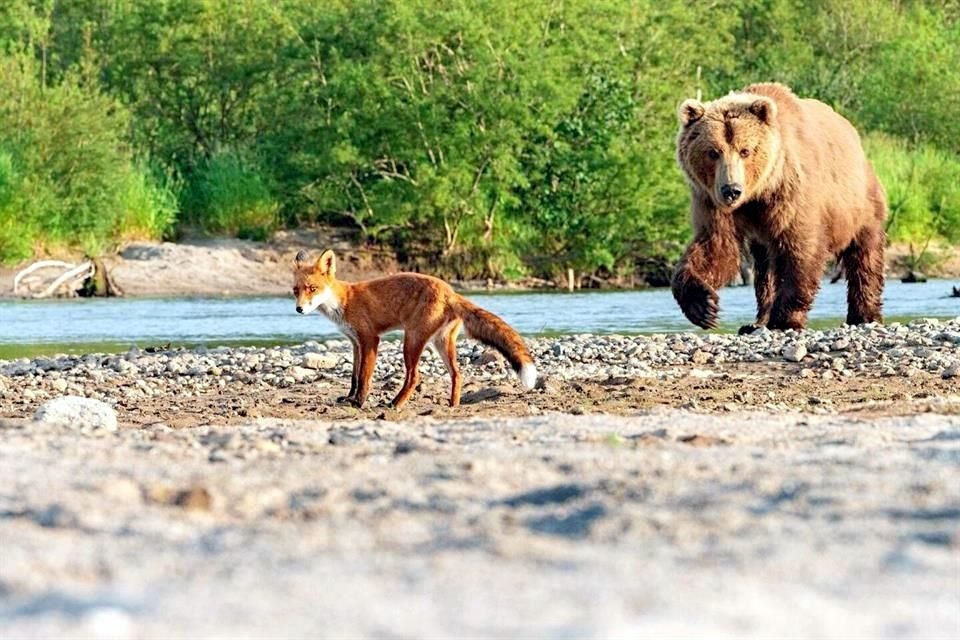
(659, 524)
(655, 525)
(923, 346)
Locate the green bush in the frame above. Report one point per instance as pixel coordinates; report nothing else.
(17, 231)
(69, 177)
(228, 195)
(923, 189)
(502, 137)
(150, 205)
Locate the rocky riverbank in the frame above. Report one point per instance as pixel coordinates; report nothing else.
(779, 484)
(822, 370)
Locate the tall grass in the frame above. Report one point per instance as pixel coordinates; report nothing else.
(68, 179)
(151, 205)
(17, 228)
(923, 189)
(229, 195)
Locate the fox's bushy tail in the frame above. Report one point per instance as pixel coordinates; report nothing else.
(492, 331)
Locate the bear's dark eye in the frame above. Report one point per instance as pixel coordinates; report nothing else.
(714, 154)
(744, 153)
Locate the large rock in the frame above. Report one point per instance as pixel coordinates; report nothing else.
(794, 352)
(300, 374)
(83, 414)
(320, 361)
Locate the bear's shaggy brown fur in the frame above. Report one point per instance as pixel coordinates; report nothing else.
(787, 177)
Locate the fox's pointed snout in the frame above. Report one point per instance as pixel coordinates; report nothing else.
(299, 309)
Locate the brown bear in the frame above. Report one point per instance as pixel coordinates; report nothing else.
(788, 178)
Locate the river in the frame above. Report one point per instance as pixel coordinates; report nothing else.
(29, 327)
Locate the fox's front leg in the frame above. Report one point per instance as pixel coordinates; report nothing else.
(354, 374)
(368, 359)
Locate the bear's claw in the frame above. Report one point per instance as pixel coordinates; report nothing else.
(700, 304)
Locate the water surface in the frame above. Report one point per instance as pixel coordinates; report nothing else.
(82, 325)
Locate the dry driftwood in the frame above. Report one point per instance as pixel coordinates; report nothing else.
(89, 278)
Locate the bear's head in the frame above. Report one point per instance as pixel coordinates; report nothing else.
(729, 147)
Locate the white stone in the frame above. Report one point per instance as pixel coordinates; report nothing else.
(78, 413)
(794, 352)
(299, 374)
(319, 361)
(841, 345)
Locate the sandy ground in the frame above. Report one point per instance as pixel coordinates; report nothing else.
(652, 487)
(662, 523)
(720, 499)
(219, 266)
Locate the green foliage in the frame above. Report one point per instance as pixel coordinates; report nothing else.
(229, 196)
(923, 189)
(502, 137)
(150, 205)
(16, 229)
(68, 174)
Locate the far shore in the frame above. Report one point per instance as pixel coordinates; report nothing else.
(215, 267)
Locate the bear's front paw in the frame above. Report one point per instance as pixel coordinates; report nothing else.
(700, 304)
(747, 329)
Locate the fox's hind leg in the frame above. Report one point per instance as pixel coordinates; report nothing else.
(354, 375)
(445, 342)
(413, 345)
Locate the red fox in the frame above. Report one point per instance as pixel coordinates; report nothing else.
(426, 308)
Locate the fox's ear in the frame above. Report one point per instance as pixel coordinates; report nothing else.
(301, 258)
(327, 263)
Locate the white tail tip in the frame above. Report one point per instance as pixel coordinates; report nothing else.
(528, 376)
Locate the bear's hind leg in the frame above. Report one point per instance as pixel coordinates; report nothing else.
(863, 263)
(764, 286)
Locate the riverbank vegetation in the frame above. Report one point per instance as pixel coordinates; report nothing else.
(500, 138)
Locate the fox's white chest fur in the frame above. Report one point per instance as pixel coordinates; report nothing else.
(333, 310)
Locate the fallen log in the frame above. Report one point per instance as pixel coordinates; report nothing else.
(37, 266)
(80, 272)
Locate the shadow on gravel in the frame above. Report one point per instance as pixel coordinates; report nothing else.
(481, 395)
(551, 495)
(948, 513)
(573, 525)
(65, 605)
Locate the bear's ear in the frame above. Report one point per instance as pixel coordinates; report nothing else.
(327, 263)
(765, 109)
(690, 111)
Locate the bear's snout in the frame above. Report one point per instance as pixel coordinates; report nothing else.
(731, 192)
